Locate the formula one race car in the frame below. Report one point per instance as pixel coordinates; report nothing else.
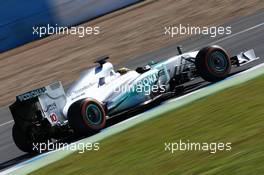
(102, 93)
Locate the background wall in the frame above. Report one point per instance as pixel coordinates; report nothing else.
(17, 17)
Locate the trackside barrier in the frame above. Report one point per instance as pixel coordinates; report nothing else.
(17, 17)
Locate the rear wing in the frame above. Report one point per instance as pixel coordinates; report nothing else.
(45, 102)
(244, 58)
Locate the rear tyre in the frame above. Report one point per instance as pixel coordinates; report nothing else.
(213, 63)
(22, 141)
(86, 117)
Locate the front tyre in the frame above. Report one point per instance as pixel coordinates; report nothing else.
(213, 63)
(86, 117)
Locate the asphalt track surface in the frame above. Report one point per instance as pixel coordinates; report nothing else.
(247, 33)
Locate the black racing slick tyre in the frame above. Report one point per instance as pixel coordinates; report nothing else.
(22, 141)
(213, 63)
(86, 117)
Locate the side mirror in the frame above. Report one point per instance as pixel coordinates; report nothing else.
(179, 48)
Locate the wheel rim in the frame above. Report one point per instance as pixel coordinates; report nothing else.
(218, 62)
(93, 114)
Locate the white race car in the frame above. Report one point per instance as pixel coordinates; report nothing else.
(101, 93)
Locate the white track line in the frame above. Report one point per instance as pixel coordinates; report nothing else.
(235, 34)
(6, 123)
